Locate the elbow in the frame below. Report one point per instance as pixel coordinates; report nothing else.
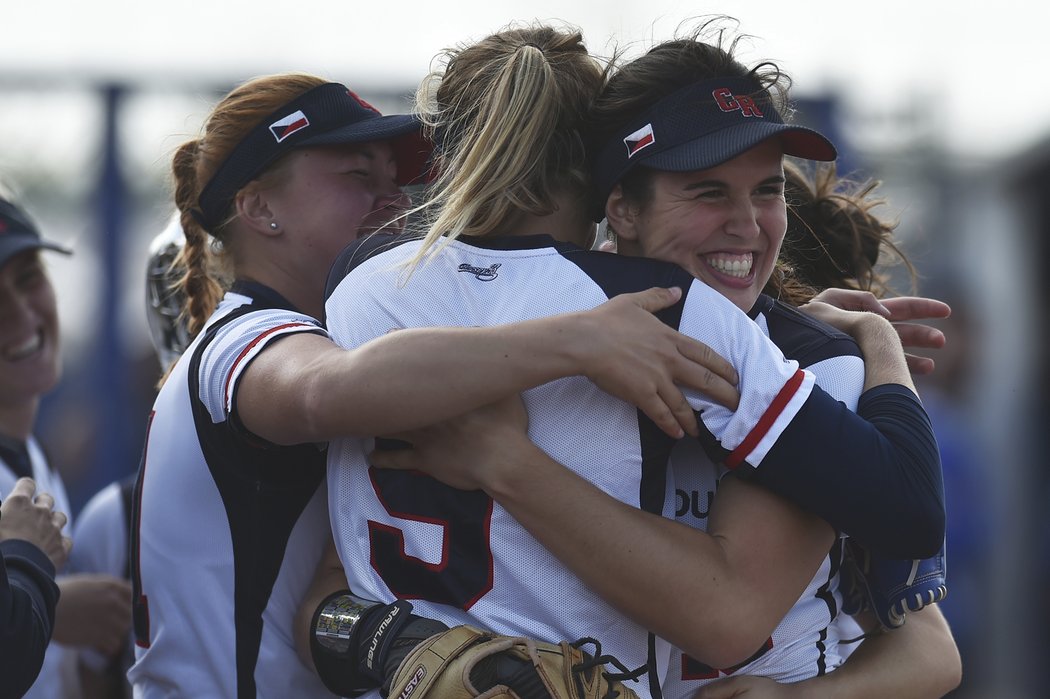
(21, 659)
(313, 417)
(952, 672)
(942, 646)
(932, 543)
(945, 666)
(907, 528)
(922, 534)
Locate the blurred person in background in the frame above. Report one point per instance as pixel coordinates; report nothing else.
(102, 534)
(94, 611)
(103, 526)
(168, 329)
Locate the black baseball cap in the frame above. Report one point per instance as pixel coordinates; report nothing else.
(18, 234)
(329, 114)
(698, 127)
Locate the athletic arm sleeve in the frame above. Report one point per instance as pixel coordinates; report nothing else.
(28, 595)
(875, 475)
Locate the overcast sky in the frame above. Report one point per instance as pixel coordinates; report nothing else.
(976, 68)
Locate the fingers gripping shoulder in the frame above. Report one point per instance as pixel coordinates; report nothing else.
(465, 662)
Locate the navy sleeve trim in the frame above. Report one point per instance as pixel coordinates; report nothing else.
(28, 595)
(26, 554)
(875, 475)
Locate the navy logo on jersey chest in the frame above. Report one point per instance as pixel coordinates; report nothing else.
(485, 274)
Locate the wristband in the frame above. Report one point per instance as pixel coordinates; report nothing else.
(350, 637)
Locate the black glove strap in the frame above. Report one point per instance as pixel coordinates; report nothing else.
(350, 638)
(414, 632)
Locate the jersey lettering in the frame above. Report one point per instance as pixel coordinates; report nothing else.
(689, 503)
(463, 571)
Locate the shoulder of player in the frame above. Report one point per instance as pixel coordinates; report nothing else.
(360, 250)
(620, 274)
(242, 333)
(802, 337)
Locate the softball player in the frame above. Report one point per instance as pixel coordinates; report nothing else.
(716, 207)
(833, 240)
(92, 611)
(471, 558)
(226, 524)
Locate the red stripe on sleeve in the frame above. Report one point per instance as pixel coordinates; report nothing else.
(766, 421)
(249, 348)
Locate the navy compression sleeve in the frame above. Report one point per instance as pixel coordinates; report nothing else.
(875, 475)
(28, 595)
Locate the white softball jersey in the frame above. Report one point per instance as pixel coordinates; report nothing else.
(805, 643)
(458, 556)
(228, 529)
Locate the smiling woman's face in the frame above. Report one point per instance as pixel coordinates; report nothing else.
(725, 225)
(29, 350)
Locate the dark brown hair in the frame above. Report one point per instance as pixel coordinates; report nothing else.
(834, 237)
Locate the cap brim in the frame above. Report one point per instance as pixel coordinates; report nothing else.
(13, 244)
(381, 128)
(716, 148)
(404, 131)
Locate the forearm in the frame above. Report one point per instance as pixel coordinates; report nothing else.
(884, 359)
(919, 660)
(402, 380)
(638, 561)
(415, 377)
(372, 639)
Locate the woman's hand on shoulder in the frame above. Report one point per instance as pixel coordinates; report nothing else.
(468, 452)
(637, 357)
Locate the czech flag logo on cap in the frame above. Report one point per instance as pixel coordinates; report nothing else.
(283, 128)
(640, 139)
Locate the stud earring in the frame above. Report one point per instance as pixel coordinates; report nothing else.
(273, 225)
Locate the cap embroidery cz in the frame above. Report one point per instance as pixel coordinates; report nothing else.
(639, 139)
(283, 128)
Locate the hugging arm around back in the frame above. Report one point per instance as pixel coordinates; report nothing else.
(387, 385)
(618, 549)
(636, 550)
(919, 660)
